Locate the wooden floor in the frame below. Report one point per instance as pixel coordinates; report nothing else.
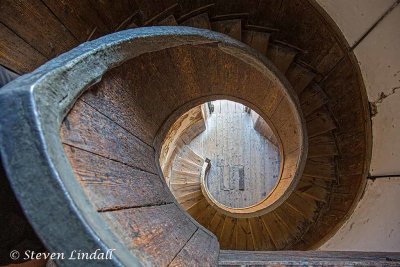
(244, 165)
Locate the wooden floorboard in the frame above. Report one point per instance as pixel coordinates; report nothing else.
(244, 165)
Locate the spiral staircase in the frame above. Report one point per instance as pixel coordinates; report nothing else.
(93, 122)
(283, 228)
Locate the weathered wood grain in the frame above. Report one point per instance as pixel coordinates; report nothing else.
(323, 51)
(217, 223)
(158, 232)
(306, 207)
(312, 190)
(228, 239)
(257, 40)
(192, 201)
(267, 13)
(34, 22)
(300, 77)
(16, 54)
(183, 164)
(320, 122)
(184, 177)
(200, 21)
(261, 237)
(293, 220)
(227, 7)
(115, 14)
(313, 34)
(206, 216)
(201, 250)
(345, 102)
(322, 145)
(321, 167)
(232, 28)
(311, 99)
(282, 114)
(150, 10)
(236, 150)
(184, 188)
(281, 56)
(189, 196)
(113, 97)
(244, 239)
(111, 185)
(89, 130)
(197, 209)
(168, 21)
(279, 235)
(79, 18)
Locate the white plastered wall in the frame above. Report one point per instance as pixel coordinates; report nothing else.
(372, 29)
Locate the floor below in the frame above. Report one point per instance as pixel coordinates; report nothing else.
(244, 164)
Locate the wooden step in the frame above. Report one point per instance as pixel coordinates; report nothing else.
(322, 167)
(294, 221)
(228, 240)
(189, 9)
(232, 28)
(151, 13)
(257, 40)
(217, 230)
(312, 191)
(206, 216)
(282, 56)
(299, 77)
(201, 21)
(327, 184)
(183, 164)
(189, 196)
(194, 130)
(319, 122)
(260, 235)
(168, 21)
(312, 98)
(184, 188)
(304, 206)
(216, 222)
(178, 176)
(244, 239)
(279, 234)
(196, 209)
(190, 155)
(322, 145)
(190, 202)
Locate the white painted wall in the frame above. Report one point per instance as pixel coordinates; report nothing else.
(375, 224)
(355, 17)
(379, 58)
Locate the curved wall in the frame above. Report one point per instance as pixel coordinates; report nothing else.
(370, 28)
(375, 223)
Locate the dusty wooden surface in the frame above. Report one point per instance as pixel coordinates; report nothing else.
(113, 185)
(41, 32)
(235, 148)
(192, 253)
(90, 130)
(152, 230)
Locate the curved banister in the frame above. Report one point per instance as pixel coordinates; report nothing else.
(35, 105)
